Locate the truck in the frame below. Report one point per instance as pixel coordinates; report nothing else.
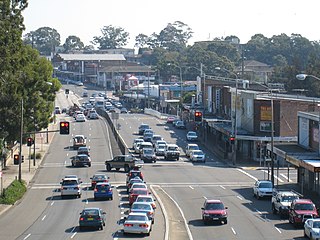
(127, 162)
(282, 200)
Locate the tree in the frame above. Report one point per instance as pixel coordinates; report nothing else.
(112, 38)
(141, 40)
(73, 43)
(45, 39)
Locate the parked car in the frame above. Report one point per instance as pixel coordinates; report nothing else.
(192, 136)
(301, 210)
(103, 190)
(98, 178)
(137, 223)
(71, 186)
(143, 207)
(214, 210)
(262, 188)
(92, 217)
(312, 228)
(281, 201)
(190, 147)
(197, 156)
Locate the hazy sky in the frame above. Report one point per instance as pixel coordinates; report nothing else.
(207, 18)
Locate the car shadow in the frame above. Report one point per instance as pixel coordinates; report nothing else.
(58, 197)
(199, 223)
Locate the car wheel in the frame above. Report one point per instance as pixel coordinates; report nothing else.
(89, 165)
(101, 227)
(111, 198)
(126, 168)
(225, 221)
(117, 169)
(108, 167)
(274, 210)
(148, 233)
(257, 196)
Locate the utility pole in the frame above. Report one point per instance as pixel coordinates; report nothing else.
(21, 138)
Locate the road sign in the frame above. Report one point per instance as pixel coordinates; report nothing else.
(114, 115)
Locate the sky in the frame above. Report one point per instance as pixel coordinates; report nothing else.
(207, 19)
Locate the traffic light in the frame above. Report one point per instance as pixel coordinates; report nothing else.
(16, 159)
(232, 139)
(198, 116)
(67, 91)
(64, 128)
(30, 141)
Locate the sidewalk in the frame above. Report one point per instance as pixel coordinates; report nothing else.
(42, 143)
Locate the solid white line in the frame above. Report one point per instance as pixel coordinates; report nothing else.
(278, 230)
(240, 197)
(27, 236)
(73, 235)
(259, 212)
(234, 232)
(191, 187)
(52, 203)
(285, 177)
(222, 187)
(205, 197)
(249, 175)
(43, 217)
(87, 202)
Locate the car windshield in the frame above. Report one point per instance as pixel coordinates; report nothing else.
(83, 157)
(144, 200)
(141, 206)
(214, 206)
(148, 151)
(173, 148)
(90, 212)
(265, 185)
(161, 146)
(303, 206)
(137, 218)
(99, 177)
(316, 224)
(192, 134)
(197, 152)
(139, 186)
(289, 198)
(140, 192)
(194, 147)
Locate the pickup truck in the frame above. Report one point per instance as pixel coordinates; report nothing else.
(79, 141)
(127, 162)
(281, 201)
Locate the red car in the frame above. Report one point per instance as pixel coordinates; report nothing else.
(214, 210)
(301, 210)
(136, 192)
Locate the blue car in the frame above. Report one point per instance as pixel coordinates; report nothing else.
(103, 190)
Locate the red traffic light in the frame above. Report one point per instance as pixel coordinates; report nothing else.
(64, 124)
(29, 141)
(64, 128)
(198, 114)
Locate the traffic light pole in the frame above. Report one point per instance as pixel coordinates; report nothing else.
(21, 138)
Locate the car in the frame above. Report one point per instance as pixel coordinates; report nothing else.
(92, 217)
(192, 136)
(312, 228)
(190, 147)
(112, 109)
(143, 207)
(170, 119)
(79, 141)
(135, 193)
(57, 110)
(78, 83)
(137, 223)
(81, 160)
(80, 117)
(281, 201)
(92, 114)
(135, 141)
(123, 110)
(214, 210)
(103, 190)
(83, 150)
(175, 121)
(162, 142)
(71, 186)
(136, 147)
(301, 210)
(148, 199)
(160, 149)
(147, 136)
(144, 145)
(156, 138)
(85, 94)
(180, 125)
(148, 155)
(197, 156)
(98, 178)
(142, 128)
(132, 181)
(127, 162)
(134, 174)
(149, 130)
(262, 188)
(172, 152)
(137, 185)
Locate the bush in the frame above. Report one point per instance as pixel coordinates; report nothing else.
(13, 193)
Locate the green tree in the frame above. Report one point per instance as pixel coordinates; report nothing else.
(73, 43)
(112, 38)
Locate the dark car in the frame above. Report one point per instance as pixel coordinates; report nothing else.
(142, 128)
(134, 174)
(214, 210)
(84, 150)
(98, 178)
(148, 155)
(81, 160)
(92, 217)
(180, 125)
(103, 190)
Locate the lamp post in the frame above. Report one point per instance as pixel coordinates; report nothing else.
(180, 71)
(234, 127)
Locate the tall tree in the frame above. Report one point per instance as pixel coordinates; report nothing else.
(112, 37)
(73, 43)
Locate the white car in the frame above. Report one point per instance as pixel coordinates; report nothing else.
(143, 207)
(190, 147)
(71, 186)
(148, 199)
(192, 136)
(160, 142)
(197, 156)
(137, 223)
(312, 228)
(156, 138)
(160, 149)
(80, 117)
(93, 114)
(135, 141)
(262, 188)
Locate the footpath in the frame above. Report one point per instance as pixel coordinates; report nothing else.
(29, 166)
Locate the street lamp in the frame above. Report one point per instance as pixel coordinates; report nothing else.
(180, 69)
(234, 127)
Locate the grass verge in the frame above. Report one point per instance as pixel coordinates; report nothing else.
(13, 192)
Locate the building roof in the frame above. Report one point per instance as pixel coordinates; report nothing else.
(131, 69)
(92, 57)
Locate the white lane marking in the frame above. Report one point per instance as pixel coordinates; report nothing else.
(249, 175)
(87, 202)
(205, 197)
(258, 212)
(278, 230)
(122, 213)
(27, 236)
(234, 232)
(89, 134)
(239, 197)
(73, 235)
(191, 187)
(89, 140)
(110, 148)
(222, 187)
(285, 177)
(67, 154)
(65, 162)
(52, 203)
(43, 217)
(280, 180)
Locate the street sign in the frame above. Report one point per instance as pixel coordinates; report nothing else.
(114, 115)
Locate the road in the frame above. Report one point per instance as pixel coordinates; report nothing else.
(183, 187)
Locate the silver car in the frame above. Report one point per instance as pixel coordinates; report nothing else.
(71, 186)
(197, 156)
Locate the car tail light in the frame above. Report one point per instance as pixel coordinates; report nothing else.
(99, 219)
(96, 190)
(81, 219)
(144, 225)
(93, 182)
(153, 205)
(128, 225)
(150, 213)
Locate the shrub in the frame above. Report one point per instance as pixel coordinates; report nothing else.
(13, 192)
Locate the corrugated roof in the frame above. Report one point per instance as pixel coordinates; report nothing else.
(92, 57)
